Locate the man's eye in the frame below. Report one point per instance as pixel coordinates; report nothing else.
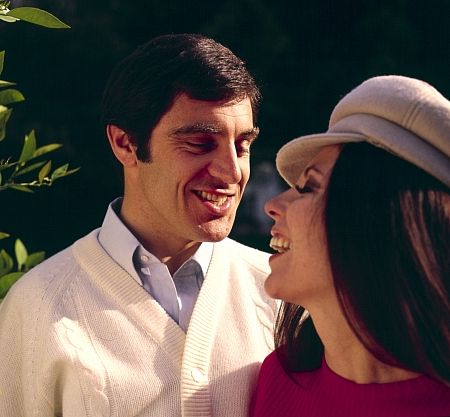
(201, 146)
(243, 151)
(303, 190)
(243, 148)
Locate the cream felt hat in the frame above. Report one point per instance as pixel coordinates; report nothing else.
(405, 116)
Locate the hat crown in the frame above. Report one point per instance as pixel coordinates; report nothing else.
(404, 116)
(411, 104)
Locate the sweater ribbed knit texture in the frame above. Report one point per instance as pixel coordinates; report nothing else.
(79, 337)
(322, 393)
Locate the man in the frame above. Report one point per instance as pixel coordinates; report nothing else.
(155, 313)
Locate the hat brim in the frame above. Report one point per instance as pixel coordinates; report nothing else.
(294, 156)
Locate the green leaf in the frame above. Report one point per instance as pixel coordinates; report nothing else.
(34, 259)
(21, 254)
(3, 235)
(6, 262)
(6, 165)
(2, 60)
(8, 19)
(67, 173)
(44, 171)
(5, 114)
(20, 187)
(6, 83)
(29, 147)
(46, 149)
(30, 168)
(37, 17)
(10, 96)
(60, 172)
(6, 282)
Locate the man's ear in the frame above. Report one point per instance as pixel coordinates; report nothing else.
(121, 145)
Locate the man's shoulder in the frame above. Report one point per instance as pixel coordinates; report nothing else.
(47, 277)
(238, 252)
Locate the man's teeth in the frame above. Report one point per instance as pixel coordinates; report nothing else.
(216, 199)
(280, 244)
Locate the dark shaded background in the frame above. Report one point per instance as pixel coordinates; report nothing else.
(304, 54)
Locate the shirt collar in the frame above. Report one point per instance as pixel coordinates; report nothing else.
(117, 240)
(121, 244)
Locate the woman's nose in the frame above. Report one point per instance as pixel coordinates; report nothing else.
(272, 207)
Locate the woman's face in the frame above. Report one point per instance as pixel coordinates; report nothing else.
(300, 272)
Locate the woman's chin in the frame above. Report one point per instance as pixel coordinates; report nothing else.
(271, 286)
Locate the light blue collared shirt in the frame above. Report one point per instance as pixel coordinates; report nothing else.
(177, 294)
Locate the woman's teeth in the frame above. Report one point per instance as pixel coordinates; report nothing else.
(280, 244)
(216, 199)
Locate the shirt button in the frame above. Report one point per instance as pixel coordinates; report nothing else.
(144, 258)
(197, 375)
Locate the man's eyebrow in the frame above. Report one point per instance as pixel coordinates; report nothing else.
(251, 134)
(196, 128)
(211, 129)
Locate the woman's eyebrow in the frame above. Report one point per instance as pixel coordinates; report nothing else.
(314, 169)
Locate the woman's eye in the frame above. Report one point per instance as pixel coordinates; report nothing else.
(303, 190)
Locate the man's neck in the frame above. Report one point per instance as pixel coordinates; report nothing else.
(175, 261)
(173, 254)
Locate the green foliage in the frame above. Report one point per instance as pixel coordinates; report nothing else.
(30, 15)
(24, 262)
(32, 169)
(14, 174)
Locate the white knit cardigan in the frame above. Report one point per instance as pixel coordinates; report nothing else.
(79, 337)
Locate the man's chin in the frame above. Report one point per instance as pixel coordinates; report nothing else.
(214, 232)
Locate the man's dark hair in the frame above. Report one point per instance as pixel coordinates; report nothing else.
(142, 87)
(387, 224)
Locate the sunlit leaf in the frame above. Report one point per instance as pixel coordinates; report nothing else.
(30, 168)
(8, 19)
(5, 114)
(6, 165)
(20, 187)
(6, 262)
(69, 172)
(60, 172)
(44, 171)
(34, 259)
(3, 235)
(38, 17)
(2, 61)
(21, 254)
(10, 96)
(46, 149)
(4, 83)
(6, 282)
(29, 147)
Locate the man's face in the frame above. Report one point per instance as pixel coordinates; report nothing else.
(199, 168)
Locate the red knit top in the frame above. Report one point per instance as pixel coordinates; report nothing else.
(322, 393)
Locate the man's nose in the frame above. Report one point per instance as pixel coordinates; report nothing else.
(225, 166)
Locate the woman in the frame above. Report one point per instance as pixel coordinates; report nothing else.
(363, 268)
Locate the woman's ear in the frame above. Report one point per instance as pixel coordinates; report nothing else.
(121, 145)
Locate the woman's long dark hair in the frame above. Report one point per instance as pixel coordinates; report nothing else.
(388, 232)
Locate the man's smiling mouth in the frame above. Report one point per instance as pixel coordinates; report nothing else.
(217, 200)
